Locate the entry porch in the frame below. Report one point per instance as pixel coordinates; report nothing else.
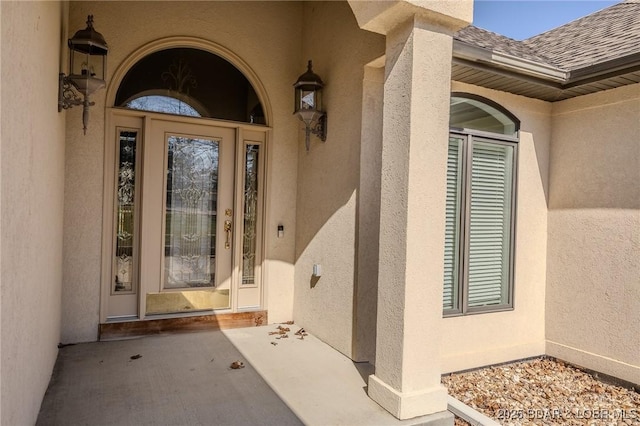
(186, 378)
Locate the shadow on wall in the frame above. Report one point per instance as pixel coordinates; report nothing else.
(327, 204)
(595, 152)
(540, 139)
(313, 281)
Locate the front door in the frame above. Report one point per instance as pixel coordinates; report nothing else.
(187, 217)
(182, 217)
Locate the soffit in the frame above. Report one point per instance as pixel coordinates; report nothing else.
(529, 87)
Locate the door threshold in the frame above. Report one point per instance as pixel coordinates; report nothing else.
(131, 329)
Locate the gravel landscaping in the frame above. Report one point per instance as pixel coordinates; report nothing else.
(544, 392)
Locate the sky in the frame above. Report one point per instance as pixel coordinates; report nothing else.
(521, 19)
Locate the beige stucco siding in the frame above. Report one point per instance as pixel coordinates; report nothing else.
(368, 230)
(328, 175)
(596, 151)
(267, 37)
(384, 16)
(476, 340)
(593, 278)
(32, 196)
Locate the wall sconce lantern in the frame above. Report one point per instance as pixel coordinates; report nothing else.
(87, 68)
(308, 107)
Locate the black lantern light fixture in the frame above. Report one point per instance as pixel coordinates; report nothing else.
(308, 107)
(87, 68)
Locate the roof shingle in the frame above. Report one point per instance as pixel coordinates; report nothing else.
(498, 43)
(602, 36)
(605, 35)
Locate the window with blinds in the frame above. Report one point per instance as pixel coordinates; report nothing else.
(489, 225)
(479, 228)
(452, 228)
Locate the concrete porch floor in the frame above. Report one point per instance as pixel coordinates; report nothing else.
(186, 379)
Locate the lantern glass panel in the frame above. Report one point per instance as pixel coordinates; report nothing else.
(298, 103)
(86, 65)
(78, 62)
(307, 100)
(318, 99)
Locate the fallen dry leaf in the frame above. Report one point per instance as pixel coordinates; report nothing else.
(258, 320)
(237, 364)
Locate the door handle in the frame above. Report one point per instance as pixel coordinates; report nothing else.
(227, 230)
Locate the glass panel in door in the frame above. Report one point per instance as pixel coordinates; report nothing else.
(191, 212)
(250, 234)
(125, 235)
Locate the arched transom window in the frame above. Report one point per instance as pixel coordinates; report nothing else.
(191, 82)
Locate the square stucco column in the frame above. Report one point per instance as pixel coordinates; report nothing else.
(412, 221)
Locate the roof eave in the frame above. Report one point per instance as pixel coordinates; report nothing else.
(539, 71)
(603, 70)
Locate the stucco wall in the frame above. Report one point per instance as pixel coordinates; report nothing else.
(593, 277)
(382, 17)
(328, 175)
(369, 213)
(267, 36)
(32, 197)
(476, 340)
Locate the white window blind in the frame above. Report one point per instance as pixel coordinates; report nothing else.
(452, 228)
(489, 224)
